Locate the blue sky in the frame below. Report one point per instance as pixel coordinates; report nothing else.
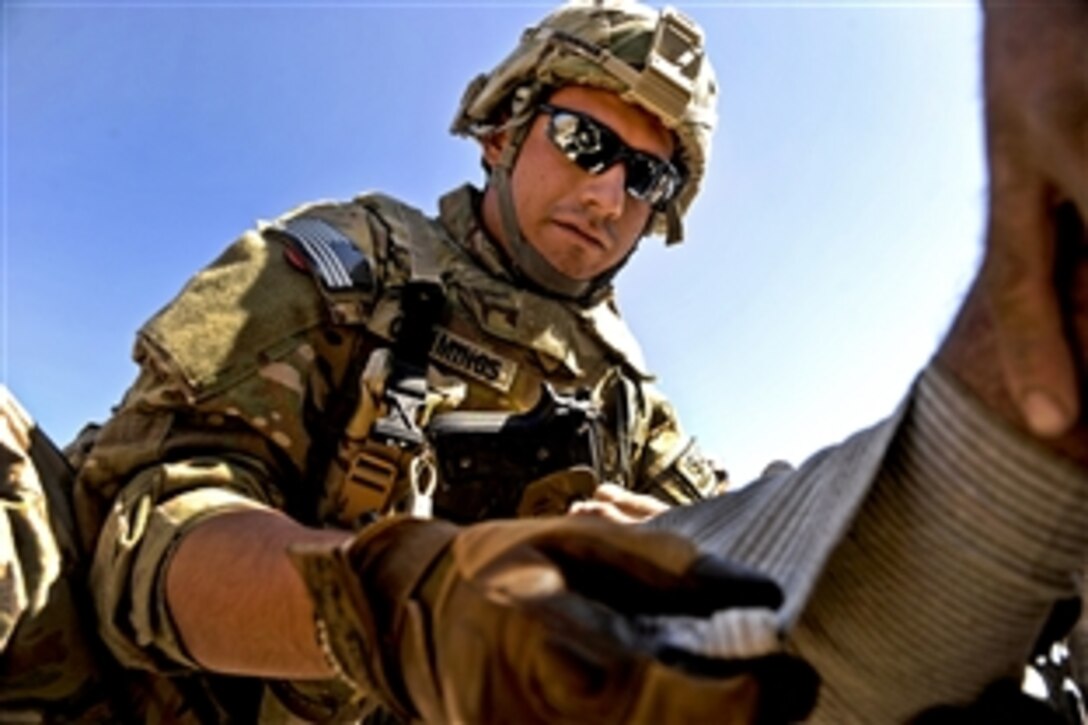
(838, 228)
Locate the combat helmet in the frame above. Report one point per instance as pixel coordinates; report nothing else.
(653, 59)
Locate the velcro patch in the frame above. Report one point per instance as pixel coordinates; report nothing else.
(473, 360)
(332, 256)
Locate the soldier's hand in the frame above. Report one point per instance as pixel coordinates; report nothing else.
(545, 621)
(1036, 80)
(618, 504)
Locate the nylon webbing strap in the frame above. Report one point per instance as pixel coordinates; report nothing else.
(386, 433)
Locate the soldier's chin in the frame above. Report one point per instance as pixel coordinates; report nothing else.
(577, 264)
(581, 273)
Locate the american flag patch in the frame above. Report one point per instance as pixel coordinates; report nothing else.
(332, 256)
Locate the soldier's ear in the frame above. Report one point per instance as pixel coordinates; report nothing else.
(493, 146)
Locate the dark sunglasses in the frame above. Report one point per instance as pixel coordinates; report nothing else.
(595, 147)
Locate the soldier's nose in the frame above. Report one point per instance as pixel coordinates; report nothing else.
(605, 193)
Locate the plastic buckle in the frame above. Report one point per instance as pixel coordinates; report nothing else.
(368, 483)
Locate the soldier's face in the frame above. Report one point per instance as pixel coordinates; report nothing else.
(582, 223)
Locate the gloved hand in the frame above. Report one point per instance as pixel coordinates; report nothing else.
(541, 621)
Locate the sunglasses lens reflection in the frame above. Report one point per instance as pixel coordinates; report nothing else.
(594, 147)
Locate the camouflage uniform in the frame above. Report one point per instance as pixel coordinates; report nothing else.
(240, 398)
(258, 385)
(48, 651)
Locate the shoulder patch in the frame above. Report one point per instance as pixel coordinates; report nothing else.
(337, 262)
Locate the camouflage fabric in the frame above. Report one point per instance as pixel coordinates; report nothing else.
(240, 402)
(45, 652)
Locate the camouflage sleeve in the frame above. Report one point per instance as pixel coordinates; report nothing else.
(671, 465)
(46, 659)
(235, 375)
(29, 556)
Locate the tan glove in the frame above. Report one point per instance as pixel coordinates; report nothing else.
(541, 621)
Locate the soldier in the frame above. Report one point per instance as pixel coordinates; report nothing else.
(353, 361)
(286, 397)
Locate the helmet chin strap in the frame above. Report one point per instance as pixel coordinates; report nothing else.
(524, 256)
